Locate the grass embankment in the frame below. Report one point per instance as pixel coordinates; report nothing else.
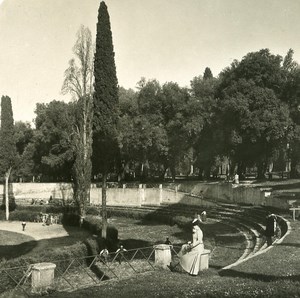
(274, 273)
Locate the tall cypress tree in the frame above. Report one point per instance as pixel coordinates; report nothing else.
(8, 150)
(105, 148)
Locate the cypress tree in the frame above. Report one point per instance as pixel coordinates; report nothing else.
(105, 148)
(8, 152)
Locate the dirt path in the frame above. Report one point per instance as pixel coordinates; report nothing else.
(35, 230)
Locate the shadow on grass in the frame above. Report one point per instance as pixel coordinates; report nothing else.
(258, 277)
(14, 251)
(31, 247)
(290, 244)
(281, 184)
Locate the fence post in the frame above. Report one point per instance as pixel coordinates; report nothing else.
(42, 277)
(162, 255)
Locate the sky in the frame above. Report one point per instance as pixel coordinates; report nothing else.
(167, 40)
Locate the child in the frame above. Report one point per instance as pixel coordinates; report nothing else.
(120, 254)
(23, 225)
(104, 255)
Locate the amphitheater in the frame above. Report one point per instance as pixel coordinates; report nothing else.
(226, 204)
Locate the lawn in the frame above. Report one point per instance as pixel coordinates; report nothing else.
(272, 274)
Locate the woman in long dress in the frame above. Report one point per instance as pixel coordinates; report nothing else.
(190, 254)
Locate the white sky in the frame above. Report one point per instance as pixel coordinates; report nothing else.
(169, 40)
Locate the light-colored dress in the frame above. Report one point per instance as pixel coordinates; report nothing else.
(190, 259)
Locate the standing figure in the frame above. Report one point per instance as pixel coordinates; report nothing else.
(270, 227)
(190, 253)
(168, 242)
(23, 225)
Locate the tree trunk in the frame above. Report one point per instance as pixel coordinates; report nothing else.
(7, 174)
(261, 169)
(294, 173)
(191, 173)
(104, 211)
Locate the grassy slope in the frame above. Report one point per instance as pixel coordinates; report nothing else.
(275, 273)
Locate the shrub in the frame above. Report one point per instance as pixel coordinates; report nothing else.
(70, 219)
(92, 210)
(93, 224)
(92, 247)
(19, 215)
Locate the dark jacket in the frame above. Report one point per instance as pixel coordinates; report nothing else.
(270, 225)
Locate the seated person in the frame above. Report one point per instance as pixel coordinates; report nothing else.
(190, 253)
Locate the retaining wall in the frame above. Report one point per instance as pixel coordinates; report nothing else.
(204, 194)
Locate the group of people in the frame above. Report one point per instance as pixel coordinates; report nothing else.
(104, 254)
(47, 219)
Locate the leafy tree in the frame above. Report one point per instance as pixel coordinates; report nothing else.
(8, 152)
(289, 64)
(291, 95)
(252, 91)
(127, 132)
(24, 136)
(150, 132)
(53, 156)
(82, 142)
(181, 123)
(207, 74)
(262, 67)
(78, 81)
(105, 145)
(255, 124)
(206, 141)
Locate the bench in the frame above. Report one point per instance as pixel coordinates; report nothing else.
(294, 209)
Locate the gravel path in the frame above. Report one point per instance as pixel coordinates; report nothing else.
(35, 230)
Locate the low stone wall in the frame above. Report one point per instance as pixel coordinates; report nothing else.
(117, 196)
(193, 193)
(175, 197)
(227, 192)
(40, 190)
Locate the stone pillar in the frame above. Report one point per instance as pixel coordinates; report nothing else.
(204, 260)
(162, 255)
(42, 277)
(142, 194)
(236, 179)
